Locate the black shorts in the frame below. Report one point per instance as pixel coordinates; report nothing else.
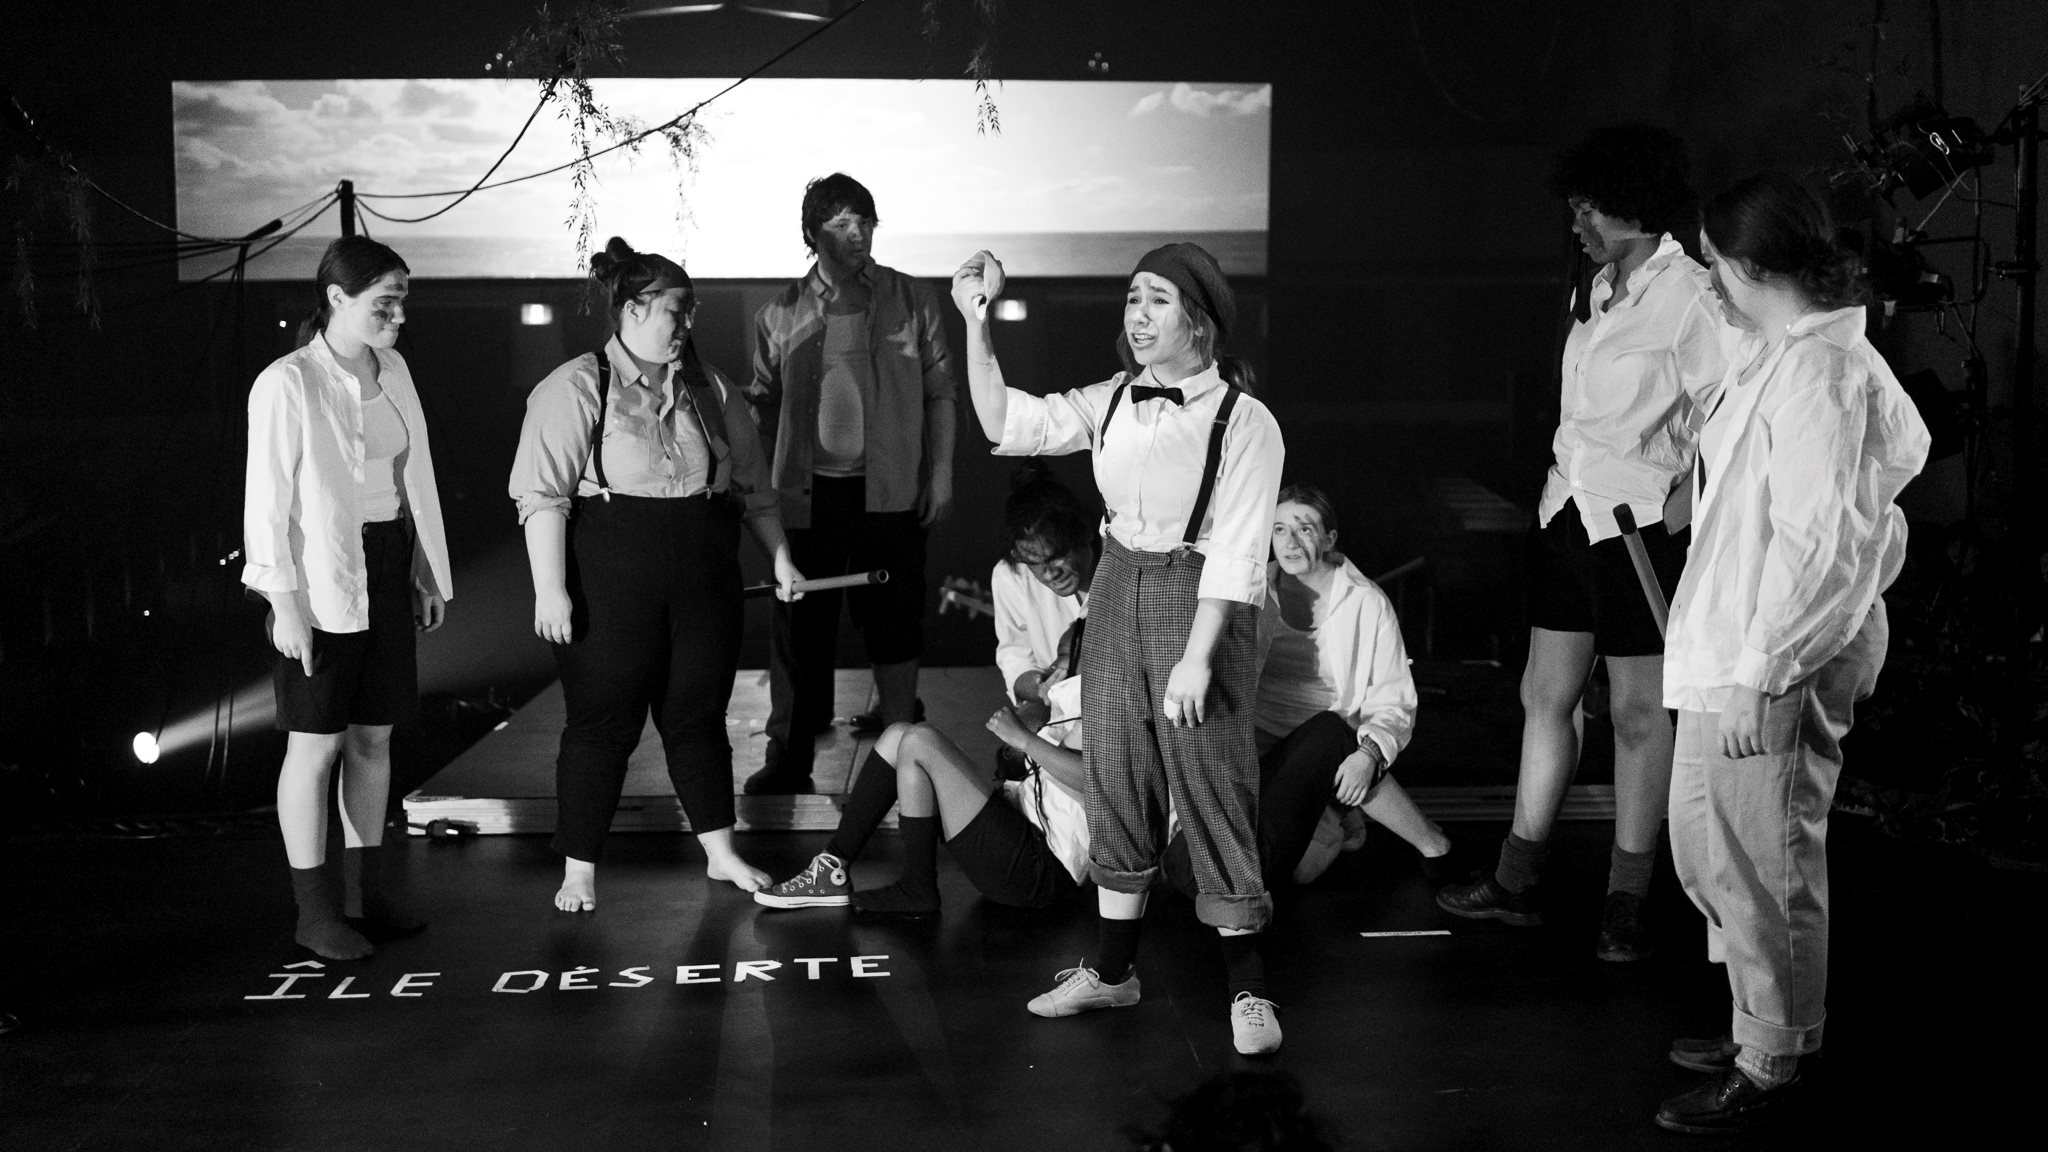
(1577, 586)
(368, 677)
(1008, 860)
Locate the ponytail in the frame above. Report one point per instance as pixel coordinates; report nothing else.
(352, 263)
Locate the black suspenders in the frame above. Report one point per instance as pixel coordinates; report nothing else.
(604, 389)
(714, 438)
(1210, 467)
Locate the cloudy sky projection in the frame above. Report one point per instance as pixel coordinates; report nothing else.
(1082, 179)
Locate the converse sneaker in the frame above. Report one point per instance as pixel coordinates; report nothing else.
(822, 885)
(1254, 1025)
(1081, 990)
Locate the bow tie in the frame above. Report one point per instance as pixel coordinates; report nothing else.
(1143, 392)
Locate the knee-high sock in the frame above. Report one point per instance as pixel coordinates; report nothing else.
(873, 791)
(1244, 965)
(1116, 949)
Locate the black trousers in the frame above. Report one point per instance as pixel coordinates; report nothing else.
(803, 649)
(1297, 780)
(656, 588)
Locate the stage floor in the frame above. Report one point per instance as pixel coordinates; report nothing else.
(150, 976)
(505, 783)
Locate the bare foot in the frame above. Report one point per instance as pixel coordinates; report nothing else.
(737, 872)
(579, 887)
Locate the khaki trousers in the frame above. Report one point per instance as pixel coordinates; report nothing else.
(1750, 840)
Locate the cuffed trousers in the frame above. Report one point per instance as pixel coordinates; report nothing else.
(1141, 609)
(1749, 838)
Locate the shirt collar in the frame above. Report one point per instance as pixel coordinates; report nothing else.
(1191, 386)
(1668, 250)
(323, 353)
(623, 368)
(1842, 326)
(814, 280)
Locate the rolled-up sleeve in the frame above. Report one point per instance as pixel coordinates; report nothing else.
(1384, 700)
(554, 441)
(1054, 425)
(750, 478)
(1810, 563)
(1014, 656)
(1241, 509)
(276, 416)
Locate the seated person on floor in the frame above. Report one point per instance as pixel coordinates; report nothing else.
(1021, 842)
(1336, 705)
(1040, 586)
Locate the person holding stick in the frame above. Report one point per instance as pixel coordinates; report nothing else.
(342, 534)
(1777, 631)
(1643, 359)
(1188, 464)
(636, 466)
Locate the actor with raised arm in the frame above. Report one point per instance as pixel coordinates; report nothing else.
(1188, 464)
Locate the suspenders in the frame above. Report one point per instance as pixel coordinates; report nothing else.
(1210, 467)
(713, 427)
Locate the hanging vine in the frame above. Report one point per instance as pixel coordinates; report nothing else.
(45, 184)
(981, 62)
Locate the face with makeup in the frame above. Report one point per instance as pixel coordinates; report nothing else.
(1604, 237)
(1158, 328)
(372, 316)
(1300, 541)
(1065, 573)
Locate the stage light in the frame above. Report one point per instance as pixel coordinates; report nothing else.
(1923, 149)
(145, 747)
(1011, 310)
(536, 315)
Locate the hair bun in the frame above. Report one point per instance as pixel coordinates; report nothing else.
(617, 253)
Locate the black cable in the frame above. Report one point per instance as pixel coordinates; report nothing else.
(481, 180)
(629, 141)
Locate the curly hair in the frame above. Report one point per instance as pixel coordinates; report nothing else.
(1775, 225)
(1631, 172)
(1041, 508)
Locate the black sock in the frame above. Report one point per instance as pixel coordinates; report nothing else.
(1117, 945)
(873, 791)
(920, 854)
(1244, 966)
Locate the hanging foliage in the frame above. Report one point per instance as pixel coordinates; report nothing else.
(981, 62)
(45, 185)
(560, 52)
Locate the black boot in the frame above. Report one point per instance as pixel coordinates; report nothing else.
(363, 901)
(321, 927)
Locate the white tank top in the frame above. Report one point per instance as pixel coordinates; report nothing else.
(384, 441)
(842, 418)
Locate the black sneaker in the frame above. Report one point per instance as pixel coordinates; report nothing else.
(775, 780)
(1731, 1102)
(1485, 899)
(1622, 935)
(1710, 1054)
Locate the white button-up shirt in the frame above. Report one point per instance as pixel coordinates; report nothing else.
(1030, 620)
(1360, 666)
(1636, 376)
(1796, 531)
(1150, 470)
(302, 518)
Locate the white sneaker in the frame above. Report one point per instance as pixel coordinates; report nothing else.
(1254, 1025)
(1081, 990)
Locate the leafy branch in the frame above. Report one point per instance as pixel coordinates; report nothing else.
(45, 183)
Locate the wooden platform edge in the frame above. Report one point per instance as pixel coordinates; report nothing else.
(498, 816)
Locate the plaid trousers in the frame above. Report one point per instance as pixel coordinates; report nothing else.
(1141, 607)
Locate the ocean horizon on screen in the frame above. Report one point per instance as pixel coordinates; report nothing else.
(1024, 255)
(1082, 179)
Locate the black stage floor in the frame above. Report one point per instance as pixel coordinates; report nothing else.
(143, 972)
